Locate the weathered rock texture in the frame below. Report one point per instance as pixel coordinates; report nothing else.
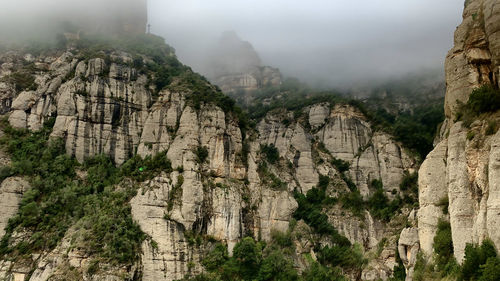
(107, 107)
(463, 169)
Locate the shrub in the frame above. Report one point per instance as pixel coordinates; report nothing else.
(354, 202)
(22, 81)
(271, 153)
(341, 165)
(491, 128)
(5, 172)
(491, 270)
(318, 272)
(475, 258)
(470, 135)
(201, 153)
(484, 99)
(216, 258)
(269, 179)
(443, 245)
(275, 266)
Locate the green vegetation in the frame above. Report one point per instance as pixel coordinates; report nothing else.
(492, 128)
(251, 260)
(269, 179)
(341, 165)
(95, 208)
(443, 247)
(409, 188)
(23, 80)
(485, 99)
(271, 153)
(201, 153)
(274, 261)
(481, 262)
(310, 209)
(379, 205)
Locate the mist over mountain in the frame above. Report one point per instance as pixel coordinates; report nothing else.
(33, 20)
(325, 43)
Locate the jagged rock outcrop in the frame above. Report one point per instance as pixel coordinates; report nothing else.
(461, 174)
(106, 106)
(373, 155)
(475, 57)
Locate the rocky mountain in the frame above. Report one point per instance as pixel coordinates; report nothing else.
(118, 162)
(458, 181)
(190, 172)
(236, 67)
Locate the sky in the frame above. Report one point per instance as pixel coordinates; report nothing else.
(324, 42)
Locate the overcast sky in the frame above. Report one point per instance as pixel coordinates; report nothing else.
(332, 41)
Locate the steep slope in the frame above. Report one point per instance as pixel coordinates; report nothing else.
(461, 173)
(191, 173)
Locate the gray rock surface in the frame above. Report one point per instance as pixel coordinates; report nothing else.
(464, 165)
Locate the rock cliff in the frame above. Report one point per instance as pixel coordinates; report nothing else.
(461, 173)
(222, 187)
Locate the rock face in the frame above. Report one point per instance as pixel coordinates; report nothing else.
(11, 193)
(475, 57)
(462, 171)
(236, 67)
(373, 155)
(106, 106)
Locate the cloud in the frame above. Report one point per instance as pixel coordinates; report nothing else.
(333, 41)
(38, 19)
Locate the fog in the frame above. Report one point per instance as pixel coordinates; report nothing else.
(323, 42)
(41, 20)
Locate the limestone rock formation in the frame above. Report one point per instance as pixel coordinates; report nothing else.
(463, 168)
(104, 105)
(11, 193)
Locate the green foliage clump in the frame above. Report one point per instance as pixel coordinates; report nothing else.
(490, 270)
(354, 202)
(341, 165)
(311, 207)
(271, 153)
(251, 261)
(348, 258)
(141, 169)
(409, 187)
(379, 205)
(201, 153)
(23, 80)
(443, 246)
(475, 264)
(491, 128)
(484, 99)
